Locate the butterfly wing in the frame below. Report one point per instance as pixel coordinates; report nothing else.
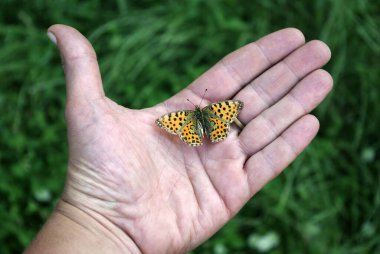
(220, 115)
(173, 122)
(182, 123)
(219, 130)
(189, 133)
(226, 110)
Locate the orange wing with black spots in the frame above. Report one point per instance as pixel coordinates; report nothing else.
(219, 131)
(189, 135)
(173, 122)
(220, 115)
(226, 110)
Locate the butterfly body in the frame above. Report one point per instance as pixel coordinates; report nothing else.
(202, 125)
(191, 125)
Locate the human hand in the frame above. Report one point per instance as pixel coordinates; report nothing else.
(152, 191)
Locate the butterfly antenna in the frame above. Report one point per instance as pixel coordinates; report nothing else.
(190, 102)
(203, 97)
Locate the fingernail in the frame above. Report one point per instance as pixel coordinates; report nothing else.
(52, 37)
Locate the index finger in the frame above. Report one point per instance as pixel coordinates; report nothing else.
(238, 68)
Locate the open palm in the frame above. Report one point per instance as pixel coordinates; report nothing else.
(165, 196)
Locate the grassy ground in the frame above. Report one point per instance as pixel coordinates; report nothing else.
(327, 201)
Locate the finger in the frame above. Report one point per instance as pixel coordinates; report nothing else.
(273, 84)
(273, 159)
(82, 74)
(301, 100)
(238, 68)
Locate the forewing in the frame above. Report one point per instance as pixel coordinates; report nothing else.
(173, 122)
(226, 110)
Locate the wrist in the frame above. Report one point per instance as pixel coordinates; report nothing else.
(72, 230)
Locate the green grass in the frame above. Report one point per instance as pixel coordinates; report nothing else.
(327, 201)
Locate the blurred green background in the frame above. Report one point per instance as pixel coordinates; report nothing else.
(327, 201)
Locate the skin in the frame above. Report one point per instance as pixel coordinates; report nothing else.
(131, 187)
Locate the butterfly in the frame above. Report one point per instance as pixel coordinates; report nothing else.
(213, 120)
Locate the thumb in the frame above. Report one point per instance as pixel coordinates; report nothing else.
(81, 68)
